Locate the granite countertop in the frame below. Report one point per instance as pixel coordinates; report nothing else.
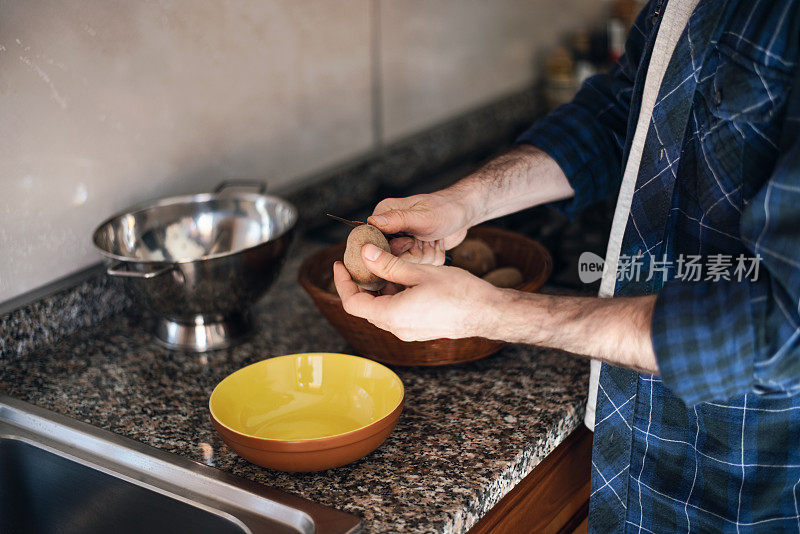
(467, 435)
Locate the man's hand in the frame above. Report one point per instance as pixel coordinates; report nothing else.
(416, 251)
(522, 177)
(438, 302)
(438, 221)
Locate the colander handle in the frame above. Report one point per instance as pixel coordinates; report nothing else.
(257, 184)
(120, 269)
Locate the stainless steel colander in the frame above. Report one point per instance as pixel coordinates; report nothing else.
(199, 262)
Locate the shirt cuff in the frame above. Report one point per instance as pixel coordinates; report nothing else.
(704, 340)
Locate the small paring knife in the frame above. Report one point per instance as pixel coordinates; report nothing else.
(353, 224)
(345, 221)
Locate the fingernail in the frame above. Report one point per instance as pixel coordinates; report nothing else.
(371, 252)
(380, 220)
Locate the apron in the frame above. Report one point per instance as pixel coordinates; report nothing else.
(676, 15)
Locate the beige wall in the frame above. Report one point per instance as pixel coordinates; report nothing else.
(442, 57)
(104, 104)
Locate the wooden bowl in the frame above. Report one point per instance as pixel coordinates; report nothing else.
(307, 412)
(510, 248)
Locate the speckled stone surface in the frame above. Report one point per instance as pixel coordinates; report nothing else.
(49, 319)
(468, 433)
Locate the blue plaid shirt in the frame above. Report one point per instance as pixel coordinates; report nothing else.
(713, 444)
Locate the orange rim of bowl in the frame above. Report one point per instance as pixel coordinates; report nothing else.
(351, 436)
(310, 445)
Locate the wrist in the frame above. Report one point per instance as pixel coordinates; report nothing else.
(492, 313)
(520, 317)
(523, 177)
(466, 196)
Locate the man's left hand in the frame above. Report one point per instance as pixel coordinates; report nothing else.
(438, 302)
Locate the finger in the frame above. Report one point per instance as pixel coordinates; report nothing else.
(354, 301)
(394, 221)
(407, 256)
(428, 253)
(439, 255)
(349, 279)
(342, 280)
(386, 205)
(423, 253)
(391, 268)
(389, 289)
(413, 254)
(399, 245)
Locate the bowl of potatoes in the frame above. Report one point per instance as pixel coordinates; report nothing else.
(504, 258)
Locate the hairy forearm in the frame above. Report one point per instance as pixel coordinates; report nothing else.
(521, 178)
(616, 331)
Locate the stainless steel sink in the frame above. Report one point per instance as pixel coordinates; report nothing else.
(61, 475)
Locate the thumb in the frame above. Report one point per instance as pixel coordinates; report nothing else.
(393, 222)
(391, 268)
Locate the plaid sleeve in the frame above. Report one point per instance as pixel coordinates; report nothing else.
(715, 340)
(703, 339)
(587, 136)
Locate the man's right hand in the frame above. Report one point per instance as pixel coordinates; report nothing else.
(522, 177)
(438, 221)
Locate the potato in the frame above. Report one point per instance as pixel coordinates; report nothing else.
(504, 277)
(474, 256)
(360, 236)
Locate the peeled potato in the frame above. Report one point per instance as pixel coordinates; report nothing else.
(474, 256)
(360, 236)
(504, 277)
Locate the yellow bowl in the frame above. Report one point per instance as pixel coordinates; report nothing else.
(307, 412)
